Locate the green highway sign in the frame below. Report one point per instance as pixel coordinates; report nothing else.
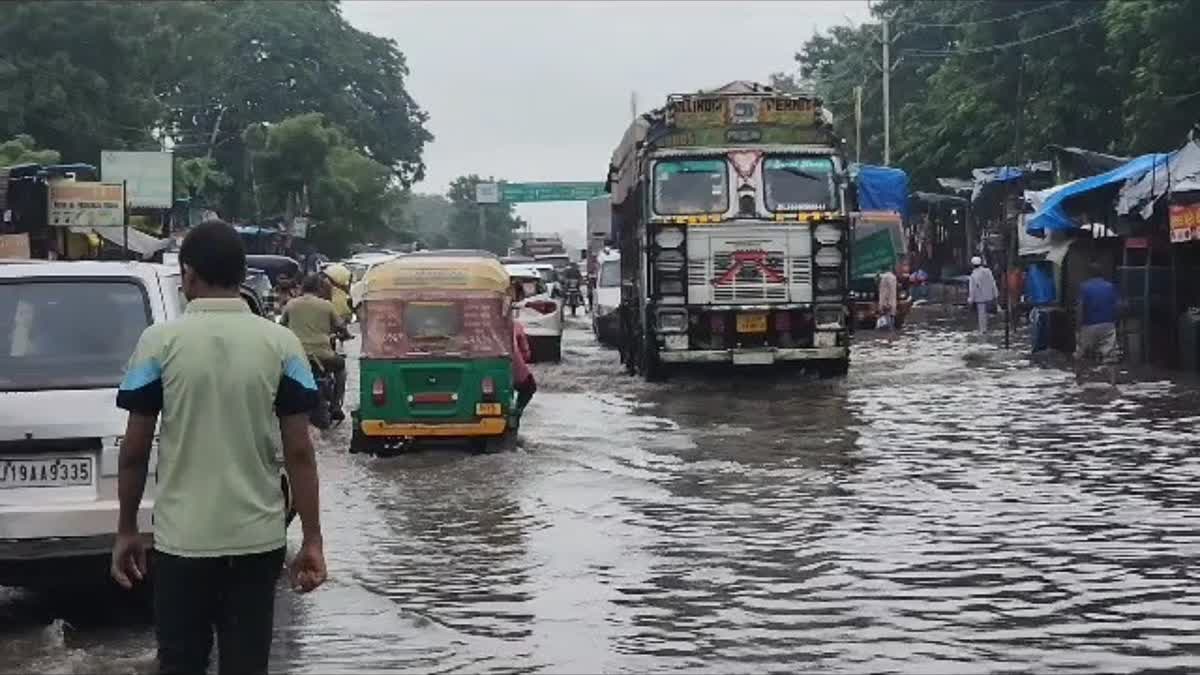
(550, 192)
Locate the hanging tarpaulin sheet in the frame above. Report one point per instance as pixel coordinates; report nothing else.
(1052, 217)
(882, 188)
(1182, 174)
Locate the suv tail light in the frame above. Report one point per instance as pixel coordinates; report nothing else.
(542, 306)
(378, 391)
(488, 388)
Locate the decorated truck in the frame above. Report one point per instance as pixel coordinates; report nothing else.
(731, 211)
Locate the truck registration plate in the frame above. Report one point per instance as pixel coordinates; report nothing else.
(821, 340)
(751, 323)
(47, 472)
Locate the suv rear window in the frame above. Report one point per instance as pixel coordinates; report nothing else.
(76, 334)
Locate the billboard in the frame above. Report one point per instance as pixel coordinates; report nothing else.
(148, 176)
(85, 203)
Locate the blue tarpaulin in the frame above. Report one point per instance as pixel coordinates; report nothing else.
(882, 188)
(1051, 217)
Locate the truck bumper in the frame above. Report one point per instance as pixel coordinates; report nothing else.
(752, 356)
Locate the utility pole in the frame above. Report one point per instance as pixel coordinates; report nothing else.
(887, 95)
(1009, 240)
(858, 93)
(886, 68)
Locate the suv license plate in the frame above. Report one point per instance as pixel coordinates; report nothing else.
(751, 323)
(45, 472)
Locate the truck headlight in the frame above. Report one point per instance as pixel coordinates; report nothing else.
(829, 283)
(827, 234)
(669, 237)
(670, 286)
(672, 321)
(829, 317)
(828, 256)
(669, 261)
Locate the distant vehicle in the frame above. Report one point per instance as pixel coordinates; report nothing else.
(550, 275)
(539, 313)
(557, 260)
(359, 265)
(864, 302)
(606, 302)
(72, 327)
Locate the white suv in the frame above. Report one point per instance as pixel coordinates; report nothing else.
(67, 330)
(539, 313)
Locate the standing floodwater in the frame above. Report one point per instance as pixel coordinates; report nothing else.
(946, 508)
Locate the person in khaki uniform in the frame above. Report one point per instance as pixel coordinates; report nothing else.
(226, 389)
(315, 322)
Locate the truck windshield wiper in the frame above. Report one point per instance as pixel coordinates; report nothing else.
(800, 172)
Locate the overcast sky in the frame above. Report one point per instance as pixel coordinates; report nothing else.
(540, 91)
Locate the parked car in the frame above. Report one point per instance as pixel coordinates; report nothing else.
(70, 328)
(539, 313)
(606, 298)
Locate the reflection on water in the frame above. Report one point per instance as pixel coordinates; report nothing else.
(946, 508)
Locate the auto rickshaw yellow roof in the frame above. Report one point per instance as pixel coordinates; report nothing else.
(433, 270)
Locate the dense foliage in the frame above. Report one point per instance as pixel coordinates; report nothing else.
(211, 79)
(1108, 75)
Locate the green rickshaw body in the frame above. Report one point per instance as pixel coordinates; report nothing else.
(437, 346)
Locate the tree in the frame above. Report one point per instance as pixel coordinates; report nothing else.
(23, 150)
(466, 229)
(199, 179)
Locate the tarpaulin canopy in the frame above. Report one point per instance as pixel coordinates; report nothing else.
(881, 188)
(1053, 217)
(1181, 174)
(989, 175)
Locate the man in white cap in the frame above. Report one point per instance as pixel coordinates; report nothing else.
(981, 291)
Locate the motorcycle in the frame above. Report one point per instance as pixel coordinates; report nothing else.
(574, 296)
(325, 414)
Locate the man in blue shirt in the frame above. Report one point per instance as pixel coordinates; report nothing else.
(1097, 315)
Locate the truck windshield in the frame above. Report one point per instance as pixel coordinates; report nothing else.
(42, 346)
(687, 186)
(800, 184)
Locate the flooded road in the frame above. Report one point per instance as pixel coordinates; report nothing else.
(948, 507)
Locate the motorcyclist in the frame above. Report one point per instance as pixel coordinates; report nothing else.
(315, 321)
(573, 286)
(339, 278)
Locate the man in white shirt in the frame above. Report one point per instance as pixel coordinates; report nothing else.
(981, 291)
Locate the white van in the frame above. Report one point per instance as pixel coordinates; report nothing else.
(67, 330)
(606, 298)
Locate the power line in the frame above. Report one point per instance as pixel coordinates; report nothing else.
(995, 19)
(1003, 45)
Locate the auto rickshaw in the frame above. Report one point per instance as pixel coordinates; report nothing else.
(436, 361)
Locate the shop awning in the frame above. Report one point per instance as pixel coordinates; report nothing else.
(1181, 174)
(1052, 217)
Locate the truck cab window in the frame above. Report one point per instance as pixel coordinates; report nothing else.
(691, 186)
(800, 184)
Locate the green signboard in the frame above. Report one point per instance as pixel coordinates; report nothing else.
(873, 253)
(550, 192)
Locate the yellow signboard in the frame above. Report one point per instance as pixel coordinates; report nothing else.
(698, 112)
(706, 112)
(86, 203)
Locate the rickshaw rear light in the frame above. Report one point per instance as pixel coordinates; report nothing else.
(378, 391)
(542, 306)
(488, 388)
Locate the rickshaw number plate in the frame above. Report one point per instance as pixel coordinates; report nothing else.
(751, 323)
(487, 408)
